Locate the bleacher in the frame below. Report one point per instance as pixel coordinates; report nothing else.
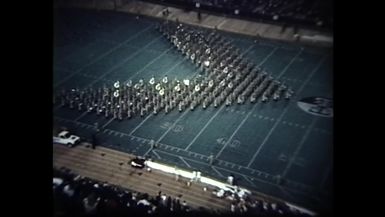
(90, 192)
(310, 13)
(76, 195)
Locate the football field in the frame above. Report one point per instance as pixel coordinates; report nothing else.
(254, 142)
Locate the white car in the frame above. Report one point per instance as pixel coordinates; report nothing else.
(66, 138)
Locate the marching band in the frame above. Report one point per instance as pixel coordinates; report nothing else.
(228, 77)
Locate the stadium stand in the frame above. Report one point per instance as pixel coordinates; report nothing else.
(75, 195)
(310, 13)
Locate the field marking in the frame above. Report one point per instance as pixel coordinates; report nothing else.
(236, 130)
(172, 126)
(268, 56)
(144, 67)
(157, 155)
(286, 192)
(102, 56)
(149, 63)
(219, 173)
(81, 115)
(291, 160)
(148, 151)
(253, 108)
(95, 77)
(108, 122)
(234, 172)
(184, 162)
(107, 41)
(245, 177)
(101, 77)
(185, 112)
(259, 173)
(283, 113)
(313, 84)
(139, 125)
(289, 64)
(123, 62)
(223, 106)
(204, 128)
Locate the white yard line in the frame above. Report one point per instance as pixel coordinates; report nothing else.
(219, 173)
(223, 106)
(236, 130)
(255, 105)
(288, 65)
(80, 116)
(104, 126)
(149, 63)
(102, 56)
(200, 162)
(283, 113)
(204, 128)
(139, 125)
(248, 180)
(184, 161)
(123, 62)
(291, 160)
(153, 151)
(143, 68)
(172, 126)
